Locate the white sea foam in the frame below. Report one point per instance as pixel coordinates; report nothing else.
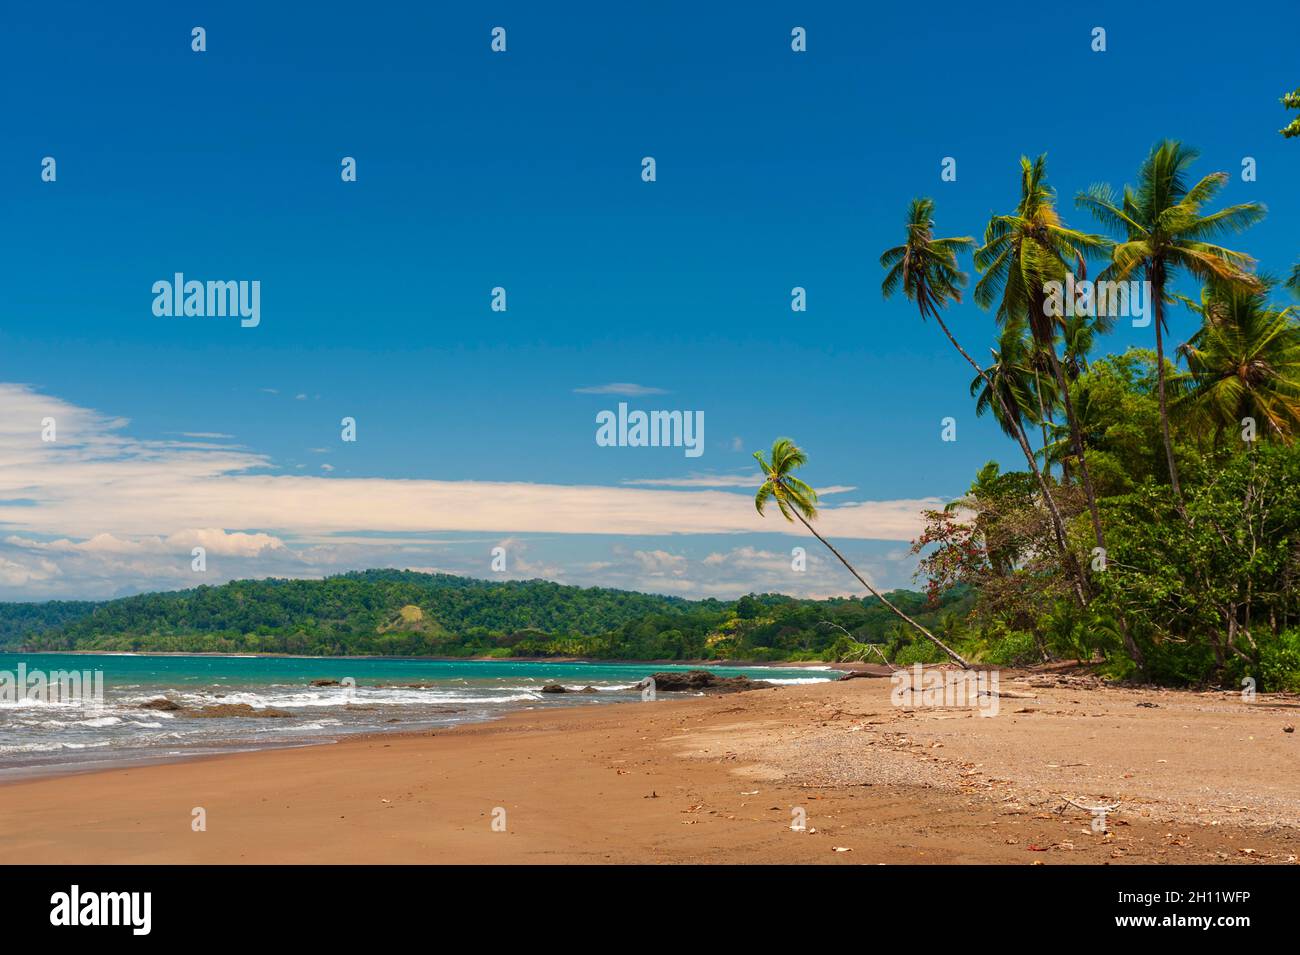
(34, 703)
(793, 681)
(50, 747)
(100, 721)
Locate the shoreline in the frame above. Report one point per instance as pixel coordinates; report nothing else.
(772, 665)
(716, 779)
(243, 733)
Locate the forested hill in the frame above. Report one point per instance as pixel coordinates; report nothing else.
(409, 613)
(20, 621)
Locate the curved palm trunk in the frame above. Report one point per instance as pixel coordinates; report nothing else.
(952, 654)
(1058, 524)
(1076, 437)
(1042, 421)
(1156, 274)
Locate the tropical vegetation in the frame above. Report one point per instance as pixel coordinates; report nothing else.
(1150, 526)
(1154, 531)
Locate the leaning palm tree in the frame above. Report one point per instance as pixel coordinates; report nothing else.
(1164, 230)
(797, 500)
(926, 270)
(1022, 252)
(1243, 363)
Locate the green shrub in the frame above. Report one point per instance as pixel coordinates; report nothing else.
(1279, 662)
(1010, 648)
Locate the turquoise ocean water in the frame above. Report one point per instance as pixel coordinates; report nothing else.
(378, 694)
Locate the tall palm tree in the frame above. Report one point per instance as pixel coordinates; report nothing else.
(1293, 281)
(797, 500)
(926, 270)
(1244, 362)
(1164, 230)
(1022, 252)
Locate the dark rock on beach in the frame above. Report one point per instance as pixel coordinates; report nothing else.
(702, 681)
(555, 688)
(325, 683)
(162, 703)
(236, 709)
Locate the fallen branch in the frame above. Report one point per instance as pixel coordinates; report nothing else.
(1007, 694)
(1094, 810)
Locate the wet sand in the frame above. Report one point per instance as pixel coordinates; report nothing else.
(1197, 777)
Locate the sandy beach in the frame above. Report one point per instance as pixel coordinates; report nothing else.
(1198, 778)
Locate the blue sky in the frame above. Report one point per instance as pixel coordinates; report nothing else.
(522, 170)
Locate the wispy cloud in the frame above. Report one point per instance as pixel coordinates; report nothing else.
(751, 481)
(100, 504)
(625, 388)
(699, 480)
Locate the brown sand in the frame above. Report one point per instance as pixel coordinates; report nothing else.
(1200, 778)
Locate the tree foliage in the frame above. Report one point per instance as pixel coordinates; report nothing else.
(392, 612)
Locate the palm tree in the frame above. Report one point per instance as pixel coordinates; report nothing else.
(1244, 362)
(1293, 281)
(1086, 413)
(1078, 334)
(1022, 252)
(1164, 230)
(1015, 373)
(797, 500)
(926, 270)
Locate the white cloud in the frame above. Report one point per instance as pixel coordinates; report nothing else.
(212, 539)
(95, 479)
(625, 388)
(660, 563)
(17, 574)
(750, 481)
(114, 511)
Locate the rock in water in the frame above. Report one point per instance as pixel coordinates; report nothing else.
(162, 703)
(236, 709)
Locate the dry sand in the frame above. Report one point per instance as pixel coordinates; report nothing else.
(1199, 778)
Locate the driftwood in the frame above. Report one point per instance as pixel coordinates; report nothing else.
(1007, 694)
(870, 646)
(1093, 810)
